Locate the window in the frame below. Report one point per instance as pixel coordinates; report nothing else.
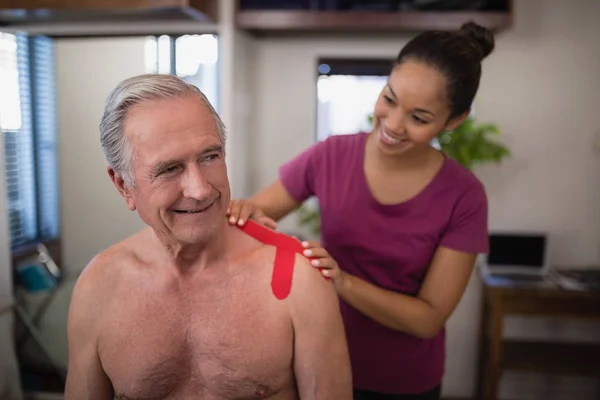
(346, 93)
(191, 57)
(28, 126)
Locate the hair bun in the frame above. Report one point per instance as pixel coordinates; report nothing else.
(480, 35)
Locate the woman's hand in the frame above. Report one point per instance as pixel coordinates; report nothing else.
(239, 211)
(323, 260)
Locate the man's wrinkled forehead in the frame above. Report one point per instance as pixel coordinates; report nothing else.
(166, 128)
(168, 116)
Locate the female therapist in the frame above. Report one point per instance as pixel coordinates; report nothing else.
(401, 223)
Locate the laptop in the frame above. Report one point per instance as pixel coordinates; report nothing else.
(517, 255)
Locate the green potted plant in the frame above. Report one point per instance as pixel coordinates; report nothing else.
(470, 144)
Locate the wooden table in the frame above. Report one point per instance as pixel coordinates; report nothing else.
(501, 298)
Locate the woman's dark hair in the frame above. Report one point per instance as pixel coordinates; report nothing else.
(457, 55)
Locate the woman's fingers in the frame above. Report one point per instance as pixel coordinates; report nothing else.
(321, 259)
(247, 210)
(326, 262)
(315, 252)
(311, 244)
(240, 211)
(332, 273)
(233, 211)
(266, 221)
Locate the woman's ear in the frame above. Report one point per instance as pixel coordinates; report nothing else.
(453, 123)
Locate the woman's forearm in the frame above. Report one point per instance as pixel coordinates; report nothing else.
(275, 201)
(394, 310)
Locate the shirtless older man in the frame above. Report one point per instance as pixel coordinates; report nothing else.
(184, 309)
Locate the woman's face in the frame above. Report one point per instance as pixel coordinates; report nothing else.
(412, 109)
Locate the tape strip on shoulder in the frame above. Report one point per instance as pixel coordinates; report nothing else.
(283, 271)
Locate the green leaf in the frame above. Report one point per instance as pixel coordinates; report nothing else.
(469, 144)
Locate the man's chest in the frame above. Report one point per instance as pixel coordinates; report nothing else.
(239, 347)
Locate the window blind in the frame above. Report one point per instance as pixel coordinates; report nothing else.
(45, 127)
(28, 124)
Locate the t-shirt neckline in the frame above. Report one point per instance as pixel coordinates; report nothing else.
(403, 204)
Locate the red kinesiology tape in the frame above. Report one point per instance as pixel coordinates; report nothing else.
(285, 254)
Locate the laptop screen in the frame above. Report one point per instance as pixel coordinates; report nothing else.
(517, 250)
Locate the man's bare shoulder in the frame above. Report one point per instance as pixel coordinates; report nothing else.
(249, 251)
(306, 280)
(105, 268)
(309, 281)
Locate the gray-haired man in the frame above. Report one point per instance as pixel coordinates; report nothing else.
(183, 309)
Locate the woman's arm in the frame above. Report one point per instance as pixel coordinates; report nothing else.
(424, 315)
(298, 180)
(275, 201)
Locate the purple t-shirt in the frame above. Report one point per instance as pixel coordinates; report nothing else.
(390, 246)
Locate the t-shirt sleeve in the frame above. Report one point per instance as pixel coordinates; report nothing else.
(468, 228)
(299, 175)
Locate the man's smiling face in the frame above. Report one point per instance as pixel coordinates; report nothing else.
(181, 188)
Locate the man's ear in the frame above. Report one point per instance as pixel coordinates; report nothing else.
(121, 186)
(453, 123)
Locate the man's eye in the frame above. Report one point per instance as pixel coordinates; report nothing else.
(212, 157)
(169, 170)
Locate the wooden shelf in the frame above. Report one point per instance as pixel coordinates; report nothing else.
(298, 21)
(552, 358)
(21, 12)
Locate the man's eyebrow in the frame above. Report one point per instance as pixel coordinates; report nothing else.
(217, 148)
(164, 165)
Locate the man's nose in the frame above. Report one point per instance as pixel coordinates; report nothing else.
(194, 183)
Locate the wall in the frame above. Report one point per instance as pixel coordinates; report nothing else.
(93, 214)
(236, 88)
(241, 128)
(9, 378)
(542, 87)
